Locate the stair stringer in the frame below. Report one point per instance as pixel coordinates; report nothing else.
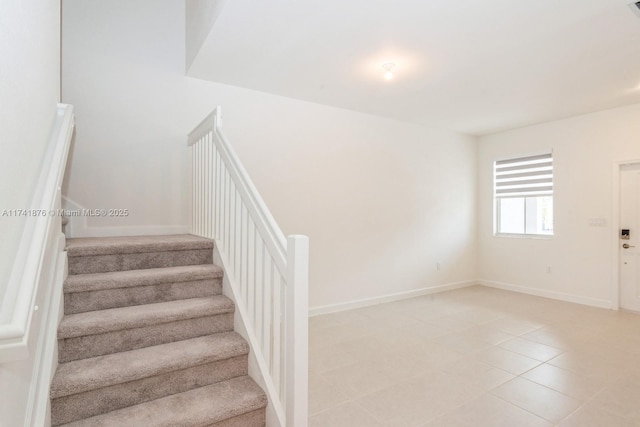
(258, 370)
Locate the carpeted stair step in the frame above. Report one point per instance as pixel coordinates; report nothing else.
(237, 402)
(100, 291)
(89, 387)
(100, 255)
(109, 331)
(147, 339)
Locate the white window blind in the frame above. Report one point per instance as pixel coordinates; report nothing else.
(524, 176)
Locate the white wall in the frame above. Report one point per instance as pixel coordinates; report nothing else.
(584, 149)
(200, 15)
(29, 90)
(381, 200)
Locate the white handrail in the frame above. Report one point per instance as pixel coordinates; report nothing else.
(268, 273)
(18, 305)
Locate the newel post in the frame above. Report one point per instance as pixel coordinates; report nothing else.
(297, 331)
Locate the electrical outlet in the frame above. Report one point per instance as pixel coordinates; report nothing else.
(438, 266)
(549, 269)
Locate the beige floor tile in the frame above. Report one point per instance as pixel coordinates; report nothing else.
(347, 353)
(627, 341)
(391, 310)
(434, 354)
(345, 316)
(431, 312)
(478, 315)
(405, 365)
(514, 325)
(486, 334)
(402, 422)
(553, 337)
(631, 377)
(391, 319)
(491, 379)
(412, 334)
(349, 414)
(324, 360)
(427, 330)
(450, 324)
(466, 366)
(418, 401)
(481, 375)
(324, 395)
(452, 359)
(506, 360)
(574, 385)
(588, 416)
(619, 399)
(318, 323)
(440, 422)
(537, 399)
(337, 334)
(360, 379)
(591, 365)
(463, 343)
(489, 411)
(582, 327)
(396, 338)
(531, 349)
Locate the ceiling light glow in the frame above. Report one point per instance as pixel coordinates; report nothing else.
(388, 66)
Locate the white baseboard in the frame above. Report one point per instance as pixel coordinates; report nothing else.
(133, 230)
(593, 302)
(349, 305)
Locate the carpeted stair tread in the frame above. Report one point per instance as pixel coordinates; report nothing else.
(147, 339)
(135, 244)
(103, 371)
(116, 319)
(194, 408)
(134, 278)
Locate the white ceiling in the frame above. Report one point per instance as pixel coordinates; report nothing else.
(472, 66)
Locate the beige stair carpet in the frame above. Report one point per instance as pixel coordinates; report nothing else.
(147, 339)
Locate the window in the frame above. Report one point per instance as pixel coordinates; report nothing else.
(523, 192)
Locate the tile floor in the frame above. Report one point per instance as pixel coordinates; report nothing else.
(476, 357)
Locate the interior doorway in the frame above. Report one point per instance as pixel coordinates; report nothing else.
(627, 239)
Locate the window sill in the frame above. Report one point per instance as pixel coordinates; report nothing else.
(525, 236)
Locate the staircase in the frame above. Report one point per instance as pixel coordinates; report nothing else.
(147, 339)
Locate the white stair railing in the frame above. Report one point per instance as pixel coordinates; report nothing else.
(31, 305)
(268, 273)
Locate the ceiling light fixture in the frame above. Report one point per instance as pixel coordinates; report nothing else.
(388, 66)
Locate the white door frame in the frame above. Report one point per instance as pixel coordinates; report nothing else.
(615, 230)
